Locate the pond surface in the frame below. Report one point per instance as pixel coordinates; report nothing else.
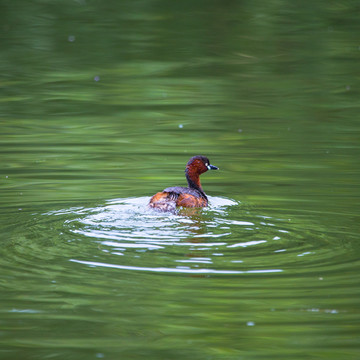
(102, 105)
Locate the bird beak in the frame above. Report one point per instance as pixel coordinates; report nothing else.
(212, 167)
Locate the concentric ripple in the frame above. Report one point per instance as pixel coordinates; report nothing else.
(226, 238)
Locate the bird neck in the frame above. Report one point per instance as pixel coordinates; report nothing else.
(193, 179)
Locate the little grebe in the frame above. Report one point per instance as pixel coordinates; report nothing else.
(192, 196)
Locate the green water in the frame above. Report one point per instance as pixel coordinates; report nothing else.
(103, 103)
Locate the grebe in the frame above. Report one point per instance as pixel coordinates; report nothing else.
(193, 195)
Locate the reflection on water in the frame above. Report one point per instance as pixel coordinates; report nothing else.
(130, 236)
(124, 228)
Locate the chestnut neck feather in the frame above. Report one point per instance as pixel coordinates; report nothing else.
(193, 179)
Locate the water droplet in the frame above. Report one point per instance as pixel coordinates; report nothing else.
(250, 323)
(97, 78)
(71, 38)
(181, 126)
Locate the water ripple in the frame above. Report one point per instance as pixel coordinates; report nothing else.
(174, 270)
(228, 237)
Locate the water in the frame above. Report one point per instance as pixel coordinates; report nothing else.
(102, 106)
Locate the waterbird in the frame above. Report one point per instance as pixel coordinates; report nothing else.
(191, 196)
